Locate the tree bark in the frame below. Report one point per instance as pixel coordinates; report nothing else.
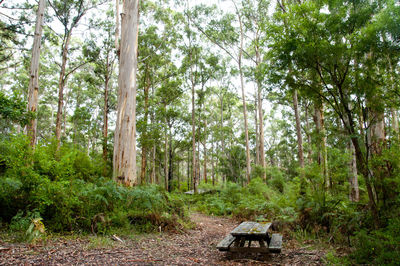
(125, 131)
(33, 89)
(395, 123)
(261, 116)
(117, 14)
(105, 115)
(257, 159)
(354, 194)
(322, 148)
(205, 152)
(298, 129)
(246, 130)
(188, 170)
(166, 154)
(212, 161)
(222, 135)
(153, 165)
(61, 83)
(309, 155)
(144, 144)
(362, 163)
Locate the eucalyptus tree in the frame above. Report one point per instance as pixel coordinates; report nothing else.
(192, 51)
(33, 89)
(254, 19)
(124, 160)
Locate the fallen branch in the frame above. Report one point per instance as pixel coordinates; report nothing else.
(116, 238)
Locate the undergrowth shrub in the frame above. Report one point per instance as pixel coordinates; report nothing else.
(68, 194)
(379, 247)
(255, 201)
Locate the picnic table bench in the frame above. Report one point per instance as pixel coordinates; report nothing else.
(249, 233)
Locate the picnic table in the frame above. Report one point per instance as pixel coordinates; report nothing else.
(251, 237)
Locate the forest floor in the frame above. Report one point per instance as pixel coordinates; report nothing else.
(196, 246)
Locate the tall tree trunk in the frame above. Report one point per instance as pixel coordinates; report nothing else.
(67, 95)
(212, 161)
(322, 148)
(393, 110)
(125, 130)
(309, 155)
(395, 123)
(188, 170)
(299, 141)
(193, 129)
(354, 194)
(33, 89)
(171, 163)
(205, 152)
(257, 159)
(144, 145)
(261, 116)
(362, 161)
(105, 117)
(298, 129)
(193, 137)
(246, 130)
(179, 176)
(61, 83)
(166, 154)
(198, 171)
(153, 165)
(143, 166)
(117, 14)
(377, 142)
(192, 81)
(222, 136)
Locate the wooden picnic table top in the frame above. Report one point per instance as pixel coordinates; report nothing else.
(251, 229)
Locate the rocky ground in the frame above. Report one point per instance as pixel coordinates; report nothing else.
(196, 246)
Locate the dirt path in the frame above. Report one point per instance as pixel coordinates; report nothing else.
(196, 246)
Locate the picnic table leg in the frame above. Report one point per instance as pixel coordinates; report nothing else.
(237, 242)
(249, 243)
(242, 241)
(268, 238)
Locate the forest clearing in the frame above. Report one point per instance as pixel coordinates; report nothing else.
(196, 246)
(147, 131)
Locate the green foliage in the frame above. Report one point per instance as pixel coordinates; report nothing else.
(275, 178)
(379, 247)
(257, 200)
(68, 194)
(257, 171)
(13, 109)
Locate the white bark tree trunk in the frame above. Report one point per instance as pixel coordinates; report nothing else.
(125, 132)
(246, 130)
(354, 193)
(395, 123)
(61, 83)
(33, 89)
(261, 117)
(117, 27)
